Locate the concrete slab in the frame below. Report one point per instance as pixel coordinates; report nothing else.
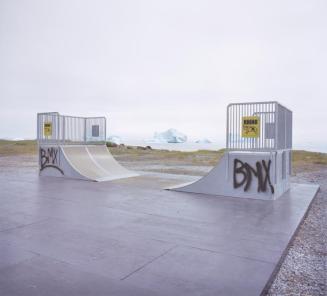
(42, 275)
(131, 237)
(191, 271)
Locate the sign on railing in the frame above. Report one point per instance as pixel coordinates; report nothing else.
(258, 126)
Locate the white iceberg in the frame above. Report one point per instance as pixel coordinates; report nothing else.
(169, 136)
(203, 141)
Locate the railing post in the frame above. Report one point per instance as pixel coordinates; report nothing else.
(85, 130)
(276, 125)
(105, 130)
(227, 129)
(64, 129)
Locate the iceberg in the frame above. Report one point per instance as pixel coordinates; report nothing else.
(169, 136)
(203, 141)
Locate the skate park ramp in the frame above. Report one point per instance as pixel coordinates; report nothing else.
(94, 163)
(103, 158)
(75, 147)
(257, 163)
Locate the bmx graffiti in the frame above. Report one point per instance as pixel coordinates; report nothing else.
(49, 157)
(261, 172)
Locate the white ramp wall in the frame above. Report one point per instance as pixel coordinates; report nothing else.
(255, 175)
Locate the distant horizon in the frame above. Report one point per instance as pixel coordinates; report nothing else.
(313, 147)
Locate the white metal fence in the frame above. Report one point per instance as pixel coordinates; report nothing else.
(269, 122)
(53, 128)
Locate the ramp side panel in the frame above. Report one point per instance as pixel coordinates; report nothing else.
(107, 162)
(219, 181)
(81, 161)
(60, 167)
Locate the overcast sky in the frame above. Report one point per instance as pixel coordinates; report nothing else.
(152, 65)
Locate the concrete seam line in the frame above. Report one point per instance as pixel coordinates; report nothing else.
(147, 263)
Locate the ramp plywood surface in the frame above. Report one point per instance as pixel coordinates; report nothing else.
(95, 163)
(107, 162)
(81, 161)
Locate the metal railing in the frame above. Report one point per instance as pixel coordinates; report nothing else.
(269, 122)
(53, 128)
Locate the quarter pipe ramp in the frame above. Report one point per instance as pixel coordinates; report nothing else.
(75, 147)
(85, 162)
(258, 161)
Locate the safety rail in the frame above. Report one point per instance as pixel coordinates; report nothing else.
(258, 126)
(53, 128)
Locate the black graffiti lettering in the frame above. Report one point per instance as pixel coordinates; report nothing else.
(52, 155)
(43, 158)
(261, 187)
(261, 172)
(267, 177)
(239, 170)
(49, 158)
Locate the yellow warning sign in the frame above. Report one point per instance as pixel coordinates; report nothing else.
(251, 127)
(47, 129)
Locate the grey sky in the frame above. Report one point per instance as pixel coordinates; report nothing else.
(151, 65)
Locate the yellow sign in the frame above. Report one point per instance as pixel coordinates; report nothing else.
(47, 129)
(251, 127)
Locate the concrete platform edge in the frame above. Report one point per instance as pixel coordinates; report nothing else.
(285, 252)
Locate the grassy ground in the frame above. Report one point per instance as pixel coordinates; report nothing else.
(17, 147)
(302, 160)
(200, 157)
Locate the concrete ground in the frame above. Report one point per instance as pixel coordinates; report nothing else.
(131, 237)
